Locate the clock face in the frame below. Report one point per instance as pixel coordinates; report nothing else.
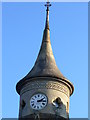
(38, 101)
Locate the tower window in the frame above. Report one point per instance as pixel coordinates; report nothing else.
(57, 102)
(67, 106)
(23, 104)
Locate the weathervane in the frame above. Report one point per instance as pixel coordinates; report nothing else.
(47, 5)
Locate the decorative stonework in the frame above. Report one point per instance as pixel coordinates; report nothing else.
(46, 85)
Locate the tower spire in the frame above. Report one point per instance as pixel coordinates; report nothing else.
(47, 14)
(44, 91)
(45, 65)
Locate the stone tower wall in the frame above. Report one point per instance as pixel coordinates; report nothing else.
(52, 89)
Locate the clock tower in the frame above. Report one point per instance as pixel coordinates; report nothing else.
(44, 91)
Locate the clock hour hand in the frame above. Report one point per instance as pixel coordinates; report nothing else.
(40, 100)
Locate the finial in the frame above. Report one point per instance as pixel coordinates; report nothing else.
(47, 15)
(47, 5)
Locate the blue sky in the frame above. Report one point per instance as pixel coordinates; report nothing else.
(22, 30)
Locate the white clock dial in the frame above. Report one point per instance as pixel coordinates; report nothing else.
(38, 101)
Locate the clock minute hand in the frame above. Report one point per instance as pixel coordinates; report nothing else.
(40, 100)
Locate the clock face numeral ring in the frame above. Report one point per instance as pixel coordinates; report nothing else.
(38, 101)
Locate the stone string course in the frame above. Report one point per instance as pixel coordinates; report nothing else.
(46, 85)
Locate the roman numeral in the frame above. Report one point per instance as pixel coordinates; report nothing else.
(32, 104)
(43, 103)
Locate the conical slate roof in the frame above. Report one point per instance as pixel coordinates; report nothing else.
(45, 65)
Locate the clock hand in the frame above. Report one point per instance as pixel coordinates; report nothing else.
(40, 100)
